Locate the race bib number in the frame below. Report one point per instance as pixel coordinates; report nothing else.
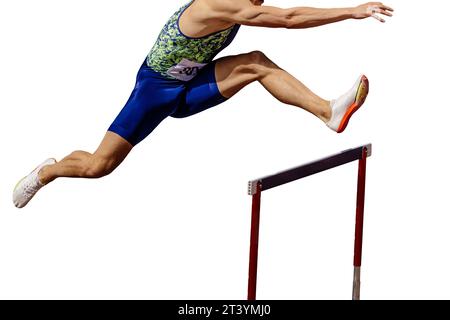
(185, 70)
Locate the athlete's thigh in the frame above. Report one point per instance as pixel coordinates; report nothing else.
(235, 72)
(201, 93)
(152, 100)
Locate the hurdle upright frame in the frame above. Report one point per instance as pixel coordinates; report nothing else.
(256, 187)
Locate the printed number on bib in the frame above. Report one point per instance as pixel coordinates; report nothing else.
(185, 70)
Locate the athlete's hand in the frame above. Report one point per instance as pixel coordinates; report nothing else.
(372, 9)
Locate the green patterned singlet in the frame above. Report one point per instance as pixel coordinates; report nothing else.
(177, 56)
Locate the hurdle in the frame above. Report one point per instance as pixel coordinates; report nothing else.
(256, 187)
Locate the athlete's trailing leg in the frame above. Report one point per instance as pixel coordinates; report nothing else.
(79, 164)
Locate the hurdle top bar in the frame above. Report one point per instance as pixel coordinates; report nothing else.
(308, 169)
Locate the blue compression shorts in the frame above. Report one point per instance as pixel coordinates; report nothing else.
(156, 97)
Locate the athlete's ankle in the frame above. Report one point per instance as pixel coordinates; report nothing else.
(44, 177)
(326, 112)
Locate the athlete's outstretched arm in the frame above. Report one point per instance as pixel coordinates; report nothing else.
(246, 13)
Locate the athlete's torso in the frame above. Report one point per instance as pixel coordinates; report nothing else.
(178, 56)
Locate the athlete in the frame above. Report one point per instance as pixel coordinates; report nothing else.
(180, 78)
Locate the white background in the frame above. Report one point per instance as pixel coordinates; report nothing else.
(173, 221)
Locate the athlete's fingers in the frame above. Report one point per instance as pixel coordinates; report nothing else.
(384, 7)
(373, 10)
(386, 13)
(378, 18)
(382, 11)
(381, 6)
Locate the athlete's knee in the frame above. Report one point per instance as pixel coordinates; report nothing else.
(258, 57)
(258, 63)
(99, 166)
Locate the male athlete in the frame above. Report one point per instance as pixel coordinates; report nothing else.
(179, 78)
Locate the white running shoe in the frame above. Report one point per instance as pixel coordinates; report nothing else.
(345, 106)
(27, 187)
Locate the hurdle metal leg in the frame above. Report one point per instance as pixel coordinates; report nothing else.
(254, 242)
(359, 226)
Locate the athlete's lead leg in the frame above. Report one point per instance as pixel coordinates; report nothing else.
(235, 72)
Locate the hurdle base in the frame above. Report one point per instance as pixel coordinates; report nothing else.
(356, 283)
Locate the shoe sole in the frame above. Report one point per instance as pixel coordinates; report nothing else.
(361, 95)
